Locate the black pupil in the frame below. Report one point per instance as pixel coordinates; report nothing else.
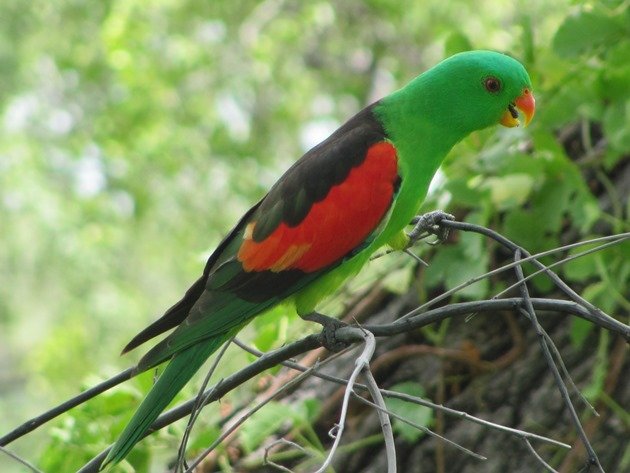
(492, 85)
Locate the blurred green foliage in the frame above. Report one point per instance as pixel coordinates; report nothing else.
(135, 133)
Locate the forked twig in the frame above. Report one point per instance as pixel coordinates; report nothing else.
(383, 415)
(246, 416)
(414, 319)
(423, 429)
(267, 461)
(362, 362)
(529, 308)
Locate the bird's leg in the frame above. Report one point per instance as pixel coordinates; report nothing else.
(330, 325)
(428, 224)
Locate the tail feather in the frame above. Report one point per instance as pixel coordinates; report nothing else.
(178, 372)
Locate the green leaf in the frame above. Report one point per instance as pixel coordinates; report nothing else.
(583, 268)
(616, 129)
(420, 415)
(509, 191)
(584, 31)
(271, 330)
(452, 267)
(615, 76)
(579, 331)
(398, 280)
(600, 368)
(263, 424)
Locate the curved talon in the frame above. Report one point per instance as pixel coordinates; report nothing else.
(429, 223)
(330, 325)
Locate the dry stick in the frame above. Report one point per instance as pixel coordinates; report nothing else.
(464, 415)
(513, 303)
(563, 261)
(362, 361)
(533, 451)
(198, 406)
(422, 402)
(224, 386)
(310, 342)
(35, 422)
(513, 247)
(617, 238)
(423, 429)
(267, 461)
(313, 341)
(247, 415)
(566, 373)
(550, 342)
(20, 460)
(593, 460)
(383, 415)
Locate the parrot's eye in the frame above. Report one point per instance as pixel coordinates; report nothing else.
(492, 84)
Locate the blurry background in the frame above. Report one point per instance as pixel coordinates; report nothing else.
(134, 134)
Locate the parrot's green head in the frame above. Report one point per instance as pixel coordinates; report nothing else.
(467, 92)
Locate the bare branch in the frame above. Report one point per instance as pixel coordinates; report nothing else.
(422, 429)
(464, 415)
(513, 247)
(422, 402)
(538, 457)
(593, 460)
(86, 395)
(267, 461)
(360, 363)
(198, 406)
(529, 258)
(246, 416)
(383, 415)
(20, 460)
(545, 268)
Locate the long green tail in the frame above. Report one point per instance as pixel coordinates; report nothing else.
(178, 372)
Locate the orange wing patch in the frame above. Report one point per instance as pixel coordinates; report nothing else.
(335, 225)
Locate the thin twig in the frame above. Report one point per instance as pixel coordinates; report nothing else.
(383, 415)
(565, 371)
(360, 363)
(552, 366)
(464, 415)
(423, 429)
(20, 460)
(538, 457)
(181, 454)
(513, 247)
(86, 395)
(617, 238)
(422, 402)
(267, 461)
(561, 262)
(247, 415)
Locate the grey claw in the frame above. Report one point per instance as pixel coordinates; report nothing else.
(429, 224)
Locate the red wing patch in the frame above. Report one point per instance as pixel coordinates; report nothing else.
(335, 225)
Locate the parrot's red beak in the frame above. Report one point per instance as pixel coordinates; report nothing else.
(526, 104)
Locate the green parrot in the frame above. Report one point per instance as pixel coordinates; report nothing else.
(318, 225)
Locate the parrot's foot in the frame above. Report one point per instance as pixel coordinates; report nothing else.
(330, 325)
(428, 224)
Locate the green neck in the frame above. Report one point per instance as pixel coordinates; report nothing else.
(417, 121)
(422, 142)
